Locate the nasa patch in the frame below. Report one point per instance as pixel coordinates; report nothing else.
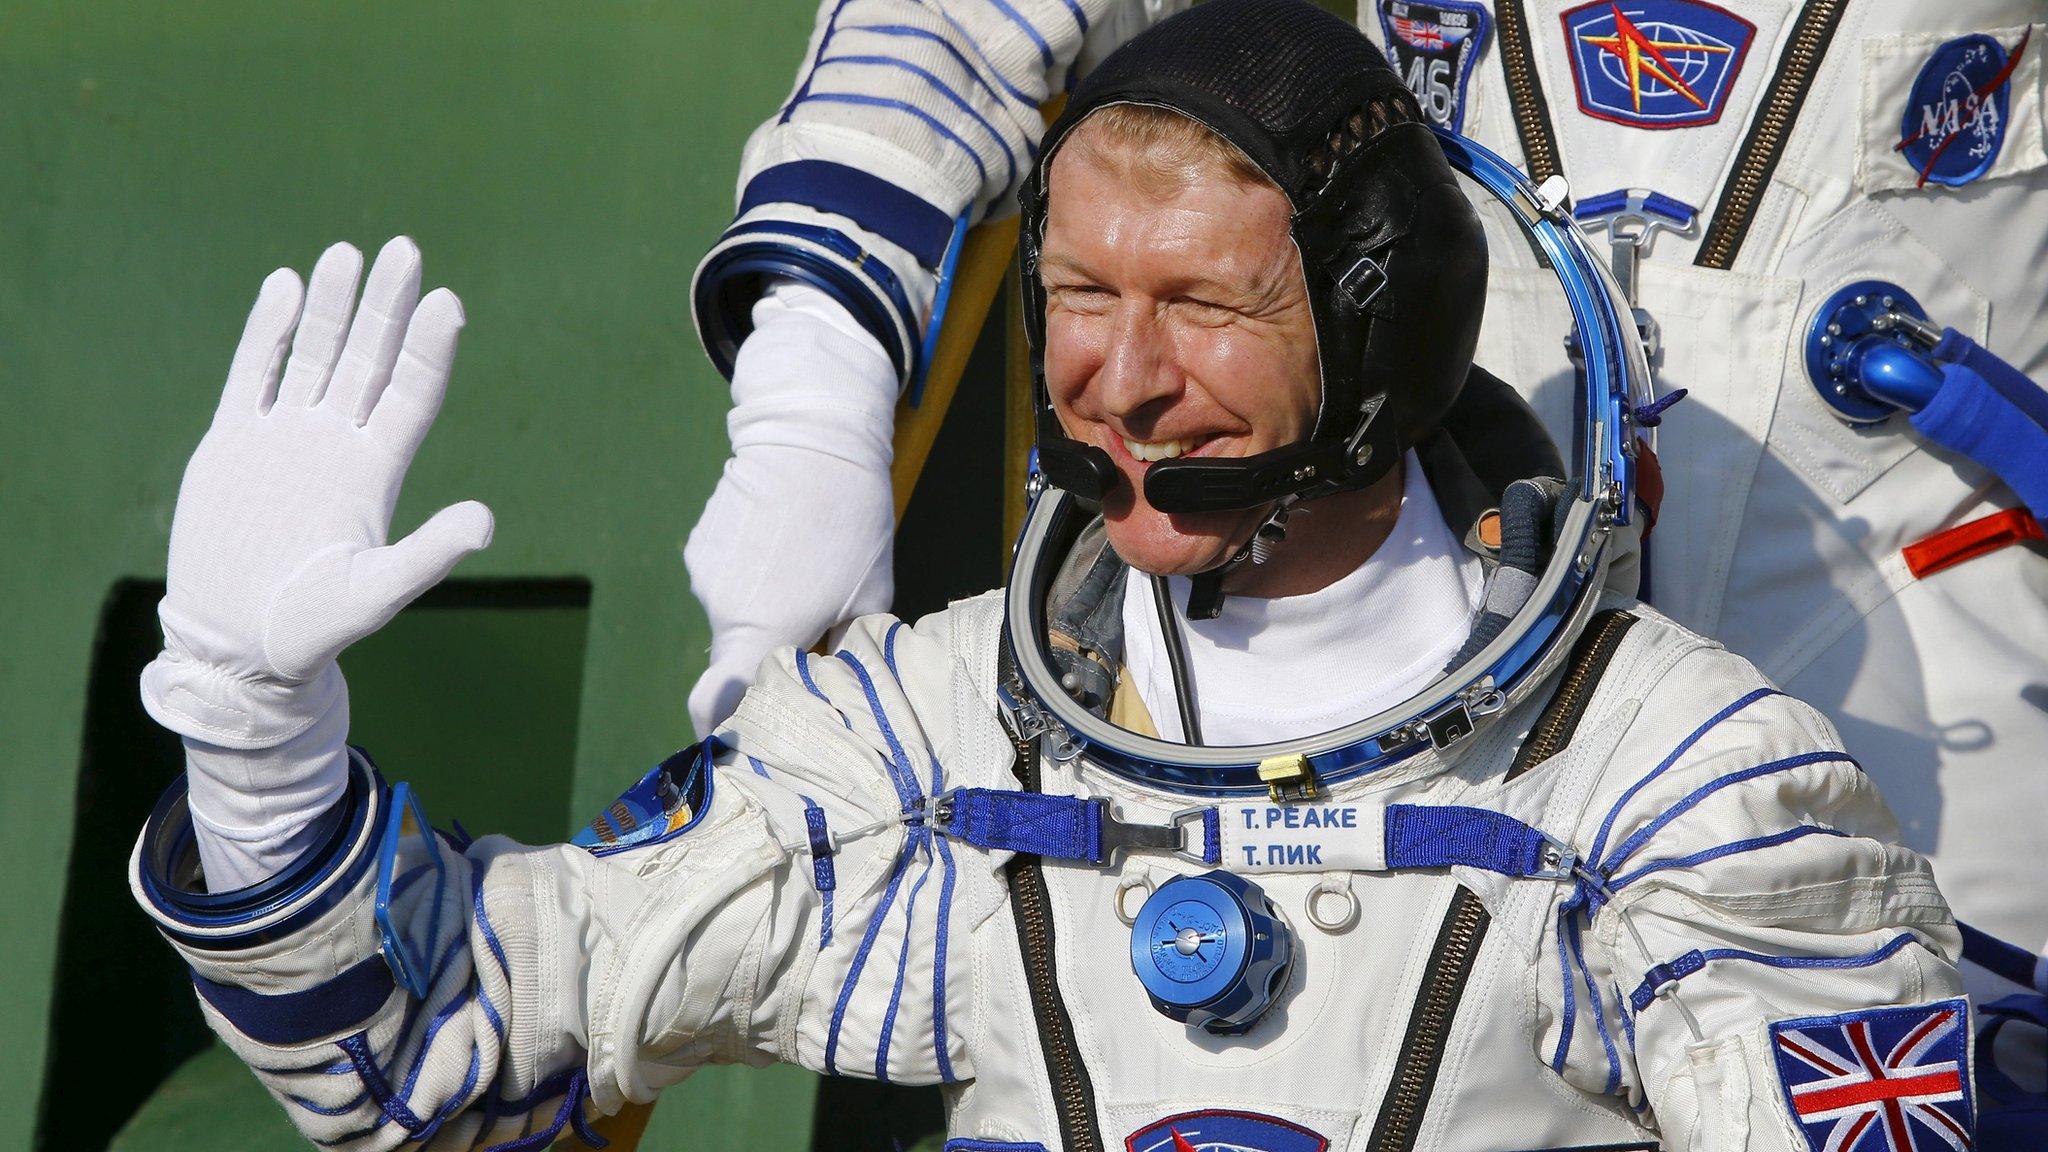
(1957, 111)
(1433, 45)
(1218, 1130)
(1945, 111)
(1655, 63)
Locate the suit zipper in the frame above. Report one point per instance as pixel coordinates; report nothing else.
(1560, 719)
(1073, 1095)
(1769, 131)
(1399, 1122)
(1525, 94)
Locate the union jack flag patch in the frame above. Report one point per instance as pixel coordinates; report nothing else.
(1881, 1080)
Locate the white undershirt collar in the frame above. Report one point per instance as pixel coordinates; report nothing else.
(1281, 668)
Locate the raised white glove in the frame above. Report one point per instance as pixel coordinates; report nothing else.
(798, 536)
(278, 558)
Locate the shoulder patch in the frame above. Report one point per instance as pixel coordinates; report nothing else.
(665, 803)
(1655, 63)
(1433, 45)
(1879, 1080)
(1223, 1130)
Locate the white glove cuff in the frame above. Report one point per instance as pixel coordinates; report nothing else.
(254, 809)
(202, 702)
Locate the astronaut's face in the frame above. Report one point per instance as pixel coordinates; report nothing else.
(1177, 324)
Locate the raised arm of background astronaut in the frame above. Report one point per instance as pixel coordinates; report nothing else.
(909, 123)
(506, 986)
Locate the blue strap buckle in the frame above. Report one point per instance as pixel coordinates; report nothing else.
(1061, 827)
(1555, 860)
(1175, 836)
(411, 889)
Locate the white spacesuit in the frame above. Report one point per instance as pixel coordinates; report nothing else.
(1787, 532)
(1596, 885)
(1784, 525)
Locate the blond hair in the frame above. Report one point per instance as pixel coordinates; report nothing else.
(1159, 150)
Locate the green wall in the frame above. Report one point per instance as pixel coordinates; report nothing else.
(562, 166)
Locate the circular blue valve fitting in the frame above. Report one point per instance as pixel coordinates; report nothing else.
(1211, 951)
(1846, 319)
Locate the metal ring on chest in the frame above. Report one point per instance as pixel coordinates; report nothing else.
(1331, 886)
(1139, 883)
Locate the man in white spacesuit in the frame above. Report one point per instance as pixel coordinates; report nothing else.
(1759, 166)
(1509, 862)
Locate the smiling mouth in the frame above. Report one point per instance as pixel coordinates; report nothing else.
(1147, 451)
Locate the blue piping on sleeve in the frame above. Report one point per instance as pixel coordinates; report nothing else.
(394, 1109)
(902, 962)
(975, 43)
(1570, 1014)
(1643, 835)
(1031, 30)
(483, 923)
(943, 89)
(803, 671)
(1694, 961)
(904, 106)
(1599, 1008)
(980, 77)
(1628, 1018)
(824, 42)
(899, 764)
(860, 955)
(939, 1042)
(1712, 722)
(1715, 853)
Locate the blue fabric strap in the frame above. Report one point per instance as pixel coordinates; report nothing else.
(821, 848)
(1439, 836)
(300, 1017)
(2027, 396)
(1971, 416)
(2025, 1008)
(905, 220)
(2010, 961)
(1056, 827)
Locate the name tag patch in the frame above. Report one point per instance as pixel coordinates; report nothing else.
(1433, 45)
(1945, 111)
(1655, 63)
(1303, 837)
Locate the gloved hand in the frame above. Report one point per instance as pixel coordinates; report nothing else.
(278, 558)
(798, 537)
